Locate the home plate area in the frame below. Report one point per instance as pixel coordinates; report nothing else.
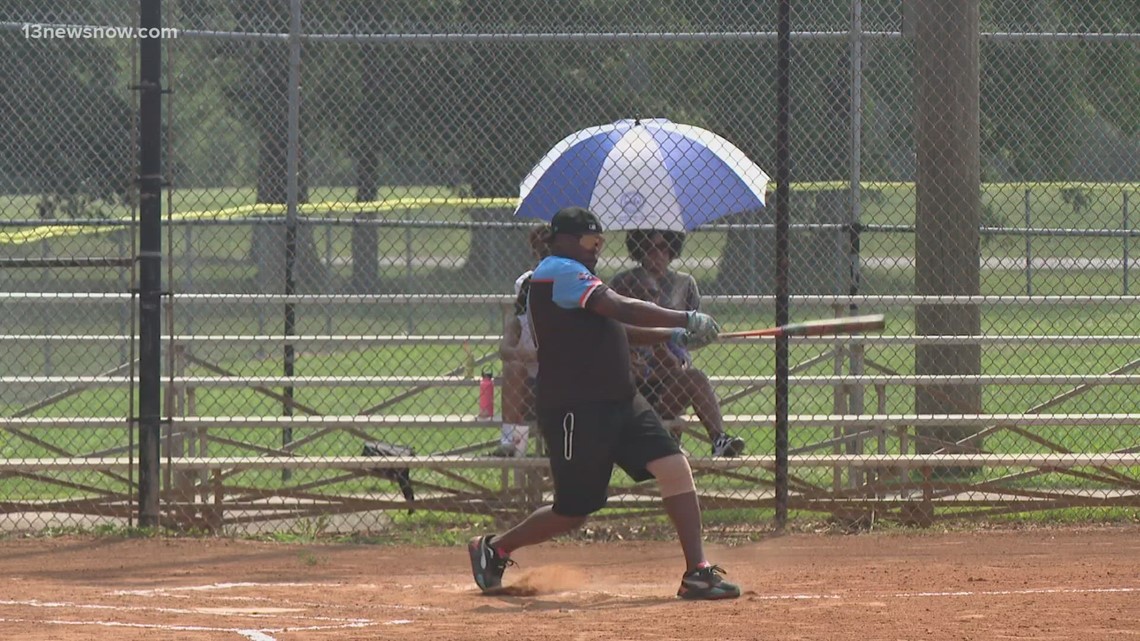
(1040, 583)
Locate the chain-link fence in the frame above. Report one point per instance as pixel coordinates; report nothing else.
(340, 253)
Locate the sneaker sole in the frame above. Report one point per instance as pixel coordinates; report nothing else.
(475, 553)
(697, 596)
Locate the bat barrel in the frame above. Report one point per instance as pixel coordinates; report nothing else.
(824, 327)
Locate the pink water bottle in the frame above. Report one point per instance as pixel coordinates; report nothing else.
(487, 395)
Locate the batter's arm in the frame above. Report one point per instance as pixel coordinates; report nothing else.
(648, 335)
(631, 311)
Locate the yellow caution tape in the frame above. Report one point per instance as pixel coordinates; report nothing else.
(45, 232)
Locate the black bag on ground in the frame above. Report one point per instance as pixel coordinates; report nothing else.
(401, 476)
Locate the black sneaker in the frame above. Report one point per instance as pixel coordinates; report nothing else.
(728, 446)
(487, 565)
(707, 584)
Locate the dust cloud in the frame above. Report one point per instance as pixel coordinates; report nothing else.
(548, 579)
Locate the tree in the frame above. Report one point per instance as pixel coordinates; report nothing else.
(365, 242)
(1028, 105)
(67, 127)
(260, 98)
(391, 106)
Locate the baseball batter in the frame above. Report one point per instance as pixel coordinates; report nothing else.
(589, 411)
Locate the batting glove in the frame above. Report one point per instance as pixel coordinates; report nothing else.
(702, 327)
(685, 339)
(697, 341)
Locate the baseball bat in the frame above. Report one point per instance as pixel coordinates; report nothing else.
(825, 327)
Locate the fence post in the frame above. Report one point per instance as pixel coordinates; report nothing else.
(1127, 237)
(409, 278)
(1028, 245)
(125, 324)
(329, 274)
(292, 163)
(46, 315)
(783, 180)
(855, 392)
(150, 263)
(188, 276)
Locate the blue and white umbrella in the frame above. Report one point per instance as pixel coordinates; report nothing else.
(644, 174)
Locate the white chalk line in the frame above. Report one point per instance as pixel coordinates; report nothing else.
(214, 587)
(35, 603)
(954, 593)
(255, 635)
(279, 601)
(263, 634)
(361, 606)
(894, 595)
(1015, 592)
(217, 586)
(174, 627)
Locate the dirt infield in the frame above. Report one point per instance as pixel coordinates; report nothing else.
(1036, 584)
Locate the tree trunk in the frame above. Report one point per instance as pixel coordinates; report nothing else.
(948, 207)
(818, 259)
(748, 264)
(262, 98)
(366, 238)
(498, 254)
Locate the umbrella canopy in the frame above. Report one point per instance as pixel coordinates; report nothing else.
(644, 174)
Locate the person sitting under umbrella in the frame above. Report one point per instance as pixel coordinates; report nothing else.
(665, 375)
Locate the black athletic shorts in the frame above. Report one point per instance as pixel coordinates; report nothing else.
(654, 391)
(586, 441)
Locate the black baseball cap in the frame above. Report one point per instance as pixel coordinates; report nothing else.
(575, 220)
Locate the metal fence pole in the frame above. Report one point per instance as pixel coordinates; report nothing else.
(409, 277)
(1028, 243)
(1127, 236)
(188, 276)
(125, 324)
(292, 189)
(329, 274)
(783, 184)
(46, 312)
(855, 405)
(150, 264)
